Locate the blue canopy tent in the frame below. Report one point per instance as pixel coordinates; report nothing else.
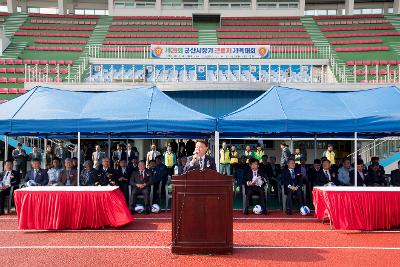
(135, 112)
(289, 112)
(143, 112)
(283, 111)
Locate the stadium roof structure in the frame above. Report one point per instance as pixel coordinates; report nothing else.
(139, 112)
(283, 111)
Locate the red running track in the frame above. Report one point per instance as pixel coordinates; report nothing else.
(275, 239)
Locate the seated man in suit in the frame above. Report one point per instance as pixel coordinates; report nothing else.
(375, 175)
(200, 161)
(292, 184)
(141, 181)
(68, 176)
(54, 172)
(254, 181)
(88, 174)
(375, 160)
(362, 174)
(344, 172)
(326, 177)
(313, 173)
(8, 178)
(37, 174)
(395, 176)
(105, 174)
(123, 176)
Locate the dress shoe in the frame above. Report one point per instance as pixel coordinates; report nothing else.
(289, 212)
(1, 212)
(133, 211)
(147, 212)
(265, 212)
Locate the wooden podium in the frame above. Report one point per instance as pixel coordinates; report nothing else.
(202, 220)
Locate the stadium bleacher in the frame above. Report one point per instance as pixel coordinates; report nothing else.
(365, 43)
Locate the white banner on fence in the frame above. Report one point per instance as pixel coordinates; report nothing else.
(210, 51)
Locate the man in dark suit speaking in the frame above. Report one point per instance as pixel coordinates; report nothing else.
(199, 160)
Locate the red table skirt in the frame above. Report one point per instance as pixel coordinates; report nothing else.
(358, 210)
(49, 210)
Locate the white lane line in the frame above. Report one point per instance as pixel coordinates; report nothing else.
(168, 247)
(169, 230)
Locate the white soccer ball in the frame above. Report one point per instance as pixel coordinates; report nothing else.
(155, 208)
(257, 209)
(304, 210)
(31, 183)
(139, 208)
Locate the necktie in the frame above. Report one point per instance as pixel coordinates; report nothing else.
(34, 174)
(201, 163)
(292, 174)
(327, 175)
(254, 174)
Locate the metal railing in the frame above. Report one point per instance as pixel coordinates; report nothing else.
(381, 148)
(277, 52)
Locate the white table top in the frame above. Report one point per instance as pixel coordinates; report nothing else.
(68, 188)
(357, 189)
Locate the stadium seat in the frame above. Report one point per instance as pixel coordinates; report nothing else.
(3, 90)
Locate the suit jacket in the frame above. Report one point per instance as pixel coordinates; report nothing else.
(72, 176)
(127, 175)
(266, 169)
(287, 179)
(322, 180)
(105, 177)
(209, 163)
(360, 180)
(159, 173)
(115, 157)
(91, 176)
(15, 177)
(41, 177)
(97, 157)
(248, 176)
(285, 155)
(146, 179)
(395, 177)
(18, 157)
(130, 156)
(150, 155)
(312, 175)
(376, 178)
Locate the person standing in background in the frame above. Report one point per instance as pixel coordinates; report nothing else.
(259, 153)
(152, 154)
(20, 159)
(248, 153)
(224, 160)
(285, 155)
(49, 155)
(169, 160)
(329, 154)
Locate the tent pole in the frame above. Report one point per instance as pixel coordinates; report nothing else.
(315, 146)
(355, 160)
(79, 159)
(291, 145)
(44, 153)
(109, 146)
(216, 149)
(5, 148)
